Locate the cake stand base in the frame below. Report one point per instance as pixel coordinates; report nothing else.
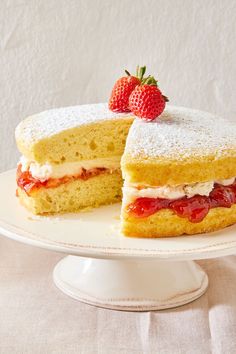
(130, 285)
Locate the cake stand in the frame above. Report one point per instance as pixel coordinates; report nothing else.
(106, 269)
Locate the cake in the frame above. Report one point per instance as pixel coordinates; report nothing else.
(178, 164)
(71, 158)
(179, 175)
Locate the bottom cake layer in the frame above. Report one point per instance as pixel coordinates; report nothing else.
(75, 195)
(166, 224)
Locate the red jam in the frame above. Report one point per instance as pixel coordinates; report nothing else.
(194, 209)
(29, 184)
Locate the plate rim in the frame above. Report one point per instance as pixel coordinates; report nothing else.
(212, 251)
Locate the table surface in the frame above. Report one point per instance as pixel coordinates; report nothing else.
(37, 318)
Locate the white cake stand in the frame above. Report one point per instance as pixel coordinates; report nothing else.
(106, 269)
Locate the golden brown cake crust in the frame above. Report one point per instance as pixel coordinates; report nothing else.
(165, 223)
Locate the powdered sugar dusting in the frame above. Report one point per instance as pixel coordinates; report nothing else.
(54, 121)
(180, 132)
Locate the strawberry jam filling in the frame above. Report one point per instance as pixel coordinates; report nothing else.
(195, 209)
(29, 184)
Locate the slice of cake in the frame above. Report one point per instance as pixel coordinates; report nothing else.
(179, 173)
(71, 158)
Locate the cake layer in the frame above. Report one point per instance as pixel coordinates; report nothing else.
(166, 224)
(182, 146)
(72, 134)
(74, 195)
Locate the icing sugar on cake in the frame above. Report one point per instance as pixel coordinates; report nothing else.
(54, 121)
(181, 132)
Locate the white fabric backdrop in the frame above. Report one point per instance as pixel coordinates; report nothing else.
(59, 52)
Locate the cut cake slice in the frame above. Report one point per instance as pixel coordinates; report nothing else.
(71, 158)
(179, 173)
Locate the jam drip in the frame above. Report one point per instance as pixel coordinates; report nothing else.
(194, 209)
(29, 184)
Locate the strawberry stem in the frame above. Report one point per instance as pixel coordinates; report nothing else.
(142, 71)
(126, 71)
(150, 80)
(166, 99)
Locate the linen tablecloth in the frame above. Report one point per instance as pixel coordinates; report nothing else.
(35, 317)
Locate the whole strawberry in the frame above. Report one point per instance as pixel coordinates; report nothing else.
(119, 100)
(146, 101)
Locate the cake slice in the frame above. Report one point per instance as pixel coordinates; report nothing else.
(71, 158)
(179, 173)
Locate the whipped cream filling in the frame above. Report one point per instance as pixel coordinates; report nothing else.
(45, 171)
(133, 192)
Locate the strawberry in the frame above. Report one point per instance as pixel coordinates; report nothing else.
(146, 101)
(119, 100)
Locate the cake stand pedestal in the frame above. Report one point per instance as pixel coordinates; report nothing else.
(130, 285)
(106, 269)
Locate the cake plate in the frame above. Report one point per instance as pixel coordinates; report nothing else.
(106, 269)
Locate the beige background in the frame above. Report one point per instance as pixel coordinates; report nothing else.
(60, 52)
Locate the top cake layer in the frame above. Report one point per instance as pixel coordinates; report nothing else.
(49, 123)
(181, 133)
(73, 134)
(181, 146)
